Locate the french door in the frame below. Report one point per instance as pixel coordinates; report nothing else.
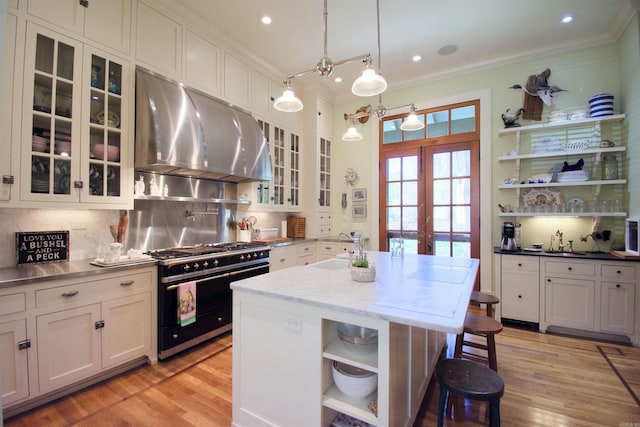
(431, 199)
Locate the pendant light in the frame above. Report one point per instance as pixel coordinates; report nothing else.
(352, 133)
(368, 84)
(412, 122)
(288, 102)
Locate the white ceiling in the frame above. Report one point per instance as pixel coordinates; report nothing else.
(486, 32)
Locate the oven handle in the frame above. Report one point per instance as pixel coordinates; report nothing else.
(233, 273)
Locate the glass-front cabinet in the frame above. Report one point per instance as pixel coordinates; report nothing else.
(72, 147)
(282, 193)
(324, 199)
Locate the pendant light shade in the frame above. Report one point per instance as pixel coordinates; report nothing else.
(288, 102)
(412, 122)
(369, 83)
(352, 133)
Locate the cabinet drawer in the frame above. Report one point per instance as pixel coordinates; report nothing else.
(520, 263)
(621, 273)
(570, 268)
(87, 291)
(306, 249)
(13, 303)
(334, 248)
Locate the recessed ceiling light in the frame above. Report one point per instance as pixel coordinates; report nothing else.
(567, 18)
(338, 80)
(448, 49)
(266, 19)
(416, 58)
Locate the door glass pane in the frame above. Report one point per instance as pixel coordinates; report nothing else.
(442, 245)
(409, 218)
(393, 193)
(393, 218)
(461, 218)
(463, 119)
(441, 192)
(460, 163)
(410, 193)
(441, 219)
(415, 134)
(441, 165)
(461, 191)
(65, 61)
(461, 246)
(410, 167)
(44, 54)
(393, 169)
(438, 124)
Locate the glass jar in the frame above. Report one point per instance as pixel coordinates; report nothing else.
(609, 167)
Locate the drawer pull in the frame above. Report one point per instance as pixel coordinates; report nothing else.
(24, 344)
(69, 294)
(328, 248)
(127, 283)
(282, 259)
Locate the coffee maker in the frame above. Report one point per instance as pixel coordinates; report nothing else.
(508, 242)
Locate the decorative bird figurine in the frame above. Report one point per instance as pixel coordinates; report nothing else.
(540, 87)
(510, 119)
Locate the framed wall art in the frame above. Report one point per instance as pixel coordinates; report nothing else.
(359, 211)
(359, 194)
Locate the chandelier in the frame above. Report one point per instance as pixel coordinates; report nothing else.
(369, 83)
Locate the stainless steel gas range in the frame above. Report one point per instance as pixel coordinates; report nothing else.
(212, 267)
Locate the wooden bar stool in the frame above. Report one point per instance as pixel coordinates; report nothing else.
(469, 380)
(483, 326)
(484, 298)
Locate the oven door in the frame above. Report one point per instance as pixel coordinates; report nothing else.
(213, 309)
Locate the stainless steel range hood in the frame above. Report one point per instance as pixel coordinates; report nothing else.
(180, 131)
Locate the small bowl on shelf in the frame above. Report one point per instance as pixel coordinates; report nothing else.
(113, 152)
(352, 381)
(358, 338)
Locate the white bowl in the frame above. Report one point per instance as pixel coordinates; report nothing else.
(352, 381)
(113, 153)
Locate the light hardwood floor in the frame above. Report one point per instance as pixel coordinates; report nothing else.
(549, 380)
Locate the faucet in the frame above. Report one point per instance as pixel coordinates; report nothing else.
(562, 245)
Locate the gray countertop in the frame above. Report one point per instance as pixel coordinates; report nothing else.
(33, 273)
(571, 255)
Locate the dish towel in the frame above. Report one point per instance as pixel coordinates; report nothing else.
(187, 303)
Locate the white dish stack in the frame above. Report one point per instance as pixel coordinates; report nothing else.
(601, 104)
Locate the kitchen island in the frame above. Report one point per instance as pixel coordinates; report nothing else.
(285, 339)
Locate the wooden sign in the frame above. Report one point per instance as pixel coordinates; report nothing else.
(36, 247)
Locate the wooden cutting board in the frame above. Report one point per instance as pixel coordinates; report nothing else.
(624, 255)
(274, 240)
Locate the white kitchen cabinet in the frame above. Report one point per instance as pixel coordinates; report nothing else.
(306, 253)
(61, 333)
(107, 22)
(75, 143)
(158, 41)
(283, 192)
(520, 291)
(318, 162)
(569, 302)
(237, 81)
(282, 257)
(263, 92)
(13, 361)
(68, 346)
(328, 250)
(556, 142)
(203, 64)
(618, 296)
(7, 105)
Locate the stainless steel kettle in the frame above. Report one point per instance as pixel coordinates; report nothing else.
(508, 242)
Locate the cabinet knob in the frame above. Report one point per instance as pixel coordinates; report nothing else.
(174, 336)
(84, 3)
(78, 184)
(549, 280)
(519, 264)
(569, 268)
(519, 296)
(618, 272)
(7, 179)
(618, 285)
(219, 319)
(99, 324)
(25, 344)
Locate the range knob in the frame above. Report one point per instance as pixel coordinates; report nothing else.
(255, 255)
(215, 262)
(205, 264)
(186, 267)
(196, 266)
(241, 257)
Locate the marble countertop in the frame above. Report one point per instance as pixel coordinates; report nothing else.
(33, 273)
(572, 255)
(419, 290)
